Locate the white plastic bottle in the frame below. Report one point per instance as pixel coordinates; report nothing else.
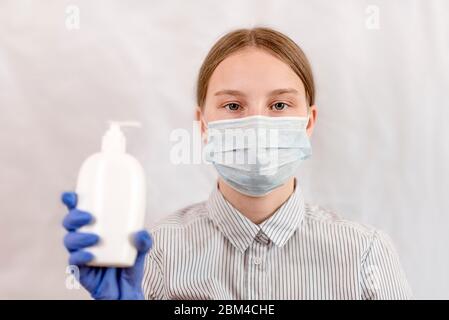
(111, 186)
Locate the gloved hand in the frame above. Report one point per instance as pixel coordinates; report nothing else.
(102, 282)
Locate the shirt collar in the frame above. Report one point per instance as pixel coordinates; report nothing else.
(241, 231)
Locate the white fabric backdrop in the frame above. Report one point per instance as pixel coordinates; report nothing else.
(381, 148)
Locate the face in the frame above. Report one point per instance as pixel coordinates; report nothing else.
(253, 82)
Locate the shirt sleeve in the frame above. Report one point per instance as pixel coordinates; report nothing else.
(152, 284)
(382, 276)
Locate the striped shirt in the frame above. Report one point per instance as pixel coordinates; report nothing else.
(210, 250)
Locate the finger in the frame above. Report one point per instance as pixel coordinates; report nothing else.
(143, 241)
(76, 219)
(79, 240)
(140, 259)
(70, 199)
(80, 258)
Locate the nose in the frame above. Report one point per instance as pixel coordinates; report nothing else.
(257, 109)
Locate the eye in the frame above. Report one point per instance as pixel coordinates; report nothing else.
(232, 106)
(279, 106)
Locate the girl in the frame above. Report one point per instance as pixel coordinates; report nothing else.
(254, 237)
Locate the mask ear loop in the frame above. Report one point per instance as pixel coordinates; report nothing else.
(309, 107)
(206, 130)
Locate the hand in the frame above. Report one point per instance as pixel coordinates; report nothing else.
(102, 282)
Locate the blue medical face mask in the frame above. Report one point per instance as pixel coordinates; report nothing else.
(257, 154)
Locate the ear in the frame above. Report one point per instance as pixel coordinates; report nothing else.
(312, 120)
(200, 117)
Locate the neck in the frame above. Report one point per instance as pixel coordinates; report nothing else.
(257, 209)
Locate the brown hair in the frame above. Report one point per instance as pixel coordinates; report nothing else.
(261, 37)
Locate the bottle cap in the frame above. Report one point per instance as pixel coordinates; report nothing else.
(114, 140)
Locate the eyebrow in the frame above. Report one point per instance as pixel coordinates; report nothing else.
(238, 93)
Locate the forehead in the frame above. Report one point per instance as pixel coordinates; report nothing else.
(253, 70)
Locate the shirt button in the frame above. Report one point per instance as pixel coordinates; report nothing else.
(257, 260)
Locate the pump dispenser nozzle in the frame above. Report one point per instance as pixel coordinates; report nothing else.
(114, 140)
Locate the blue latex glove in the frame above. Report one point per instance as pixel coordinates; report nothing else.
(102, 282)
